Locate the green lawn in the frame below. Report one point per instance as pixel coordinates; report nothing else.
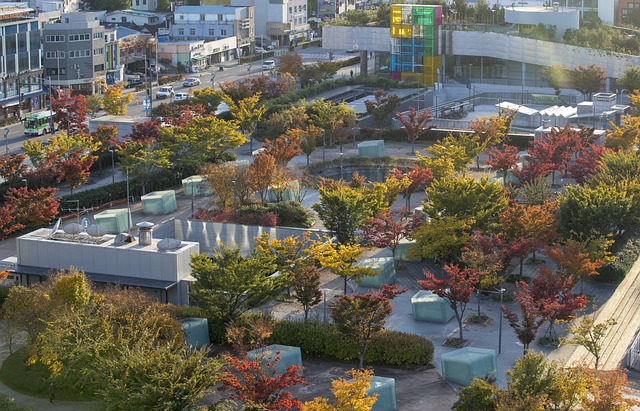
(32, 379)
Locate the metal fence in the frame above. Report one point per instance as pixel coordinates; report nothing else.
(633, 355)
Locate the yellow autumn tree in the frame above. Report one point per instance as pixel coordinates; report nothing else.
(350, 394)
(115, 102)
(340, 259)
(626, 136)
(246, 112)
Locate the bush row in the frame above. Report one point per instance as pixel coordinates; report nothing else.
(9, 121)
(170, 79)
(289, 213)
(388, 347)
(626, 251)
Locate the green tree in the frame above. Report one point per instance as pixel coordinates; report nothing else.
(588, 80)
(109, 5)
(478, 396)
(309, 140)
(159, 378)
(478, 202)
(163, 5)
(208, 97)
(340, 259)
(202, 139)
(281, 121)
(317, 72)
(343, 209)
(585, 211)
(141, 162)
(589, 335)
(246, 112)
(94, 105)
(626, 136)
(306, 284)
(329, 116)
(441, 238)
(630, 78)
(228, 285)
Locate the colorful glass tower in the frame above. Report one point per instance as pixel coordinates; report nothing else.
(415, 42)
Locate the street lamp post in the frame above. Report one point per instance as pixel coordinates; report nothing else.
(213, 80)
(193, 193)
(502, 290)
(341, 154)
(249, 70)
(113, 166)
(128, 203)
(6, 141)
(324, 145)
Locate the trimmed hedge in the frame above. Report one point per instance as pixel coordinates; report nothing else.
(288, 213)
(388, 347)
(9, 404)
(626, 251)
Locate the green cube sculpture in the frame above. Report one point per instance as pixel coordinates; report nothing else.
(463, 365)
(386, 271)
(371, 148)
(197, 186)
(159, 202)
(402, 250)
(386, 390)
(288, 356)
(196, 332)
(426, 306)
(115, 221)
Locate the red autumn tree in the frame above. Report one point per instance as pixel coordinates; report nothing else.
(573, 260)
(381, 106)
(494, 129)
(146, 131)
(257, 385)
(586, 163)
(13, 167)
(503, 159)
(70, 110)
(415, 124)
(26, 209)
(558, 303)
(418, 177)
(457, 288)
(260, 174)
(388, 228)
(532, 317)
(285, 147)
(362, 316)
(74, 169)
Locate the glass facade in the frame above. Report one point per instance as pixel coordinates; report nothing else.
(415, 53)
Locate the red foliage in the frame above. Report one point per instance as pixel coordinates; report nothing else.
(503, 160)
(420, 177)
(415, 124)
(267, 219)
(256, 384)
(389, 227)
(13, 167)
(285, 147)
(532, 316)
(146, 132)
(24, 208)
(456, 289)
(70, 110)
(74, 169)
(586, 163)
(553, 293)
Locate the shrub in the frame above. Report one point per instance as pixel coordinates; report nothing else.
(292, 214)
(396, 348)
(626, 251)
(4, 292)
(388, 347)
(170, 79)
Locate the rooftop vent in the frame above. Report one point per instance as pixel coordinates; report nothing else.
(123, 238)
(169, 244)
(144, 229)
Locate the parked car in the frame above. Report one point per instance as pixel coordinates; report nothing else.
(181, 96)
(191, 82)
(164, 92)
(260, 50)
(268, 65)
(270, 47)
(132, 83)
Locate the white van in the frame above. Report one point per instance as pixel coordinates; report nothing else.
(268, 65)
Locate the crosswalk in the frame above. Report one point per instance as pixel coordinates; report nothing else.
(322, 56)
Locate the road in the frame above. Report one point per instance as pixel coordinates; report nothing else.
(13, 139)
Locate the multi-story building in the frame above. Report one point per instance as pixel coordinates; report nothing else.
(20, 62)
(74, 52)
(281, 21)
(215, 23)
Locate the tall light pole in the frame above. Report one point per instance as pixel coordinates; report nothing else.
(128, 203)
(193, 194)
(500, 326)
(249, 70)
(6, 141)
(341, 154)
(324, 144)
(113, 166)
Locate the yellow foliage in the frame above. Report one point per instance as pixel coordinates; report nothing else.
(350, 394)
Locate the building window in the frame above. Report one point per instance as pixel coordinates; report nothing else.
(54, 39)
(212, 32)
(98, 51)
(192, 31)
(137, 2)
(98, 35)
(98, 67)
(223, 32)
(202, 17)
(123, 19)
(180, 32)
(80, 37)
(181, 17)
(76, 54)
(54, 55)
(54, 71)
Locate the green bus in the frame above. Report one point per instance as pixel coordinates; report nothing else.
(37, 124)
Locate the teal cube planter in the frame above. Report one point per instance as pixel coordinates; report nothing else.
(115, 221)
(292, 193)
(426, 306)
(372, 148)
(159, 202)
(402, 249)
(463, 365)
(196, 186)
(386, 271)
(288, 356)
(196, 332)
(386, 390)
